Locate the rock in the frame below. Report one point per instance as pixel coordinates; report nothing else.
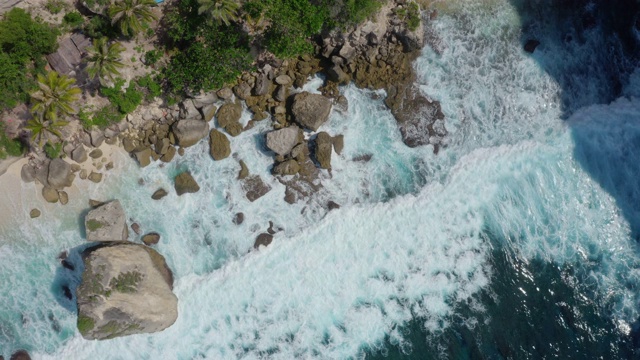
(83, 174)
(289, 167)
(262, 85)
(338, 143)
(244, 170)
(347, 52)
(331, 205)
(95, 153)
(34, 213)
(234, 129)
(126, 289)
(225, 93)
(209, 112)
(159, 194)
(228, 114)
(322, 152)
(20, 355)
(204, 99)
(169, 155)
(151, 238)
(282, 141)
(342, 104)
(181, 151)
(95, 177)
(263, 239)
(136, 228)
(185, 183)
(107, 222)
(242, 90)
(190, 132)
(219, 145)
(162, 146)
(336, 74)
(109, 166)
(28, 173)
(143, 157)
(75, 168)
(238, 218)
(64, 197)
(280, 94)
(531, 45)
(50, 194)
(283, 80)
(97, 137)
(189, 111)
(95, 203)
(310, 110)
(255, 188)
(79, 154)
(60, 174)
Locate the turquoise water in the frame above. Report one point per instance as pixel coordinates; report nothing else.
(528, 211)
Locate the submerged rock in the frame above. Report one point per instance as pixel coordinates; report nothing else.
(159, 194)
(20, 355)
(126, 289)
(310, 110)
(255, 188)
(185, 183)
(263, 239)
(107, 222)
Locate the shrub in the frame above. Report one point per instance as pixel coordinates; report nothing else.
(85, 324)
(151, 57)
(52, 150)
(9, 147)
(54, 6)
(98, 27)
(126, 101)
(102, 118)
(152, 87)
(73, 19)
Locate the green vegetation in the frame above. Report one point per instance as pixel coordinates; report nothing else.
(41, 128)
(98, 27)
(55, 94)
(103, 60)
(152, 87)
(53, 151)
(411, 15)
(126, 282)
(219, 11)
(93, 225)
(151, 57)
(9, 147)
(125, 101)
(55, 6)
(131, 16)
(73, 19)
(23, 44)
(102, 118)
(85, 324)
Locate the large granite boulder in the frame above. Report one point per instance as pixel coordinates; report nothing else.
(219, 145)
(310, 110)
(126, 289)
(185, 183)
(60, 174)
(282, 141)
(188, 132)
(108, 222)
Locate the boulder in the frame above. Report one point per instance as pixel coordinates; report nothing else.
(64, 197)
(255, 188)
(238, 218)
(162, 146)
(185, 183)
(262, 85)
(289, 167)
(28, 173)
(209, 111)
(136, 228)
(79, 154)
(322, 153)
(20, 355)
(159, 194)
(310, 110)
(126, 289)
(204, 99)
(95, 153)
(338, 143)
(188, 110)
(189, 132)
(106, 222)
(143, 157)
(225, 93)
(60, 174)
(283, 80)
(219, 145)
(282, 141)
(169, 155)
(244, 170)
(228, 114)
(34, 213)
(263, 239)
(50, 194)
(151, 238)
(280, 94)
(242, 90)
(95, 177)
(97, 137)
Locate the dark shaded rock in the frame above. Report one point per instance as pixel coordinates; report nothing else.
(331, 205)
(34, 213)
(151, 238)
(262, 85)
(189, 132)
(263, 239)
(219, 145)
(79, 154)
(363, 158)
(255, 188)
(531, 45)
(20, 355)
(159, 194)
(322, 150)
(60, 174)
(67, 292)
(238, 218)
(169, 155)
(310, 110)
(185, 183)
(280, 94)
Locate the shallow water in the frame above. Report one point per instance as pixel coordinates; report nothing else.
(528, 211)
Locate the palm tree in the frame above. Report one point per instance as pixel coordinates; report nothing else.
(56, 93)
(219, 10)
(41, 127)
(131, 15)
(103, 60)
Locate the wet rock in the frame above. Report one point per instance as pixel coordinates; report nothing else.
(20, 355)
(28, 173)
(136, 228)
(228, 114)
(95, 203)
(209, 112)
(50, 194)
(255, 188)
(185, 183)
(189, 132)
(109, 166)
(169, 155)
(342, 104)
(34, 213)
(244, 170)
(338, 143)
(282, 141)
(79, 154)
(332, 205)
(219, 145)
(234, 129)
(126, 289)
(107, 222)
(310, 110)
(151, 238)
(242, 90)
(238, 218)
(263, 239)
(159, 194)
(363, 158)
(60, 174)
(95, 153)
(96, 177)
(289, 167)
(64, 197)
(162, 146)
(322, 152)
(531, 45)
(143, 157)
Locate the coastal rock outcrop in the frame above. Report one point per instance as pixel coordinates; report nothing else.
(189, 132)
(219, 145)
(282, 141)
(126, 289)
(107, 222)
(310, 110)
(322, 152)
(185, 183)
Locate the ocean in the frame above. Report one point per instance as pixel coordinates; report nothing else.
(518, 240)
